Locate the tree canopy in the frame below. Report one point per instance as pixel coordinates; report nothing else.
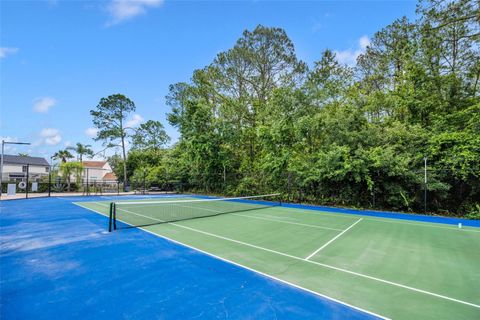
(257, 119)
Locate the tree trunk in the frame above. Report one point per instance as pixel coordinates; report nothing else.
(125, 182)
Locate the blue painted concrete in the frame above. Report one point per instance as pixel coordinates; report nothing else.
(392, 215)
(378, 214)
(58, 262)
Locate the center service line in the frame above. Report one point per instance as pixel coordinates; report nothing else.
(335, 238)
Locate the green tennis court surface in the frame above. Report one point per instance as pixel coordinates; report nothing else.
(393, 268)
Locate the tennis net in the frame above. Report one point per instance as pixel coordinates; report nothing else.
(150, 212)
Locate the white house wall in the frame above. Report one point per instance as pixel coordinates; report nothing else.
(17, 169)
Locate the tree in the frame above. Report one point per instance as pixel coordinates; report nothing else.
(116, 162)
(246, 75)
(81, 150)
(109, 118)
(329, 81)
(23, 154)
(62, 155)
(150, 135)
(256, 120)
(71, 168)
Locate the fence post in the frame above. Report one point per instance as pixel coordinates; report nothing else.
(425, 186)
(289, 186)
(26, 188)
(49, 180)
(87, 191)
(224, 178)
(144, 186)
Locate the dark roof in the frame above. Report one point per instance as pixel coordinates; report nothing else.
(38, 161)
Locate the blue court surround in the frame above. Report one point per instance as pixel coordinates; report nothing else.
(58, 262)
(391, 215)
(372, 213)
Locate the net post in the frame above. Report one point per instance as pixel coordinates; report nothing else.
(110, 217)
(114, 216)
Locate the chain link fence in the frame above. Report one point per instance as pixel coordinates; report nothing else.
(384, 191)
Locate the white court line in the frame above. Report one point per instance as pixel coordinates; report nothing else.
(283, 221)
(261, 218)
(384, 220)
(252, 217)
(316, 263)
(244, 267)
(333, 239)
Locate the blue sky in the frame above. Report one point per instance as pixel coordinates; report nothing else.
(58, 58)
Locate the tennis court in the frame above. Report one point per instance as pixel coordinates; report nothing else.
(390, 268)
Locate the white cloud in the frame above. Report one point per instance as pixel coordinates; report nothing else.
(51, 136)
(43, 104)
(91, 132)
(68, 143)
(135, 121)
(54, 140)
(48, 132)
(364, 42)
(4, 51)
(122, 10)
(349, 56)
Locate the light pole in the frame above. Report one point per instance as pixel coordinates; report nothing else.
(1, 160)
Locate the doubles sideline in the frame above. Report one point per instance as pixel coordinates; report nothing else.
(245, 267)
(304, 260)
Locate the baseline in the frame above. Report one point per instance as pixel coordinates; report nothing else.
(245, 267)
(318, 263)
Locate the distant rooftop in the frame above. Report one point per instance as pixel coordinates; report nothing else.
(11, 159)
(109, 176)
(93, 164)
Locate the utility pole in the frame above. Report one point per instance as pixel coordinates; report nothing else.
(1, 160)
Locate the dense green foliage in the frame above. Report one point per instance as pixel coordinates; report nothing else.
(69, 170)
(257, 119)
(150, 135)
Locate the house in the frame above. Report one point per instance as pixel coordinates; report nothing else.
(15, 168)
(99, 171)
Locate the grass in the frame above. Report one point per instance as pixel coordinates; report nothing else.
(392, 268)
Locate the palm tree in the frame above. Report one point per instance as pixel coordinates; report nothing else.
(81, 150)
(62, 155)
(23, 154)
(71, 168)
